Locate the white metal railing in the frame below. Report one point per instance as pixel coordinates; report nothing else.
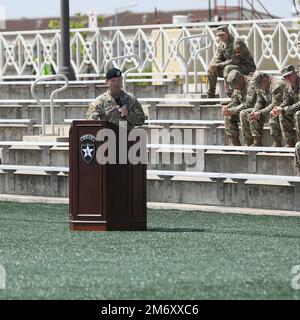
(272, 42)
(197, 54)
(127, 58)
(53, 93)
(184, 61)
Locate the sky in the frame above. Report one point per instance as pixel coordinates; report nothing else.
(44, 8)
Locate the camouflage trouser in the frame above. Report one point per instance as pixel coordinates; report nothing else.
(232, 126)
(297, 154)
(288, 122)
(256, 129)
(220, 72)
(297, 124)
(275, 126)
(250, 130)
(247, 69)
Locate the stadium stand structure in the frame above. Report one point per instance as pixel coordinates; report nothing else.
(261, 177)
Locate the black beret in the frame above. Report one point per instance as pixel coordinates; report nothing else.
(113, 73)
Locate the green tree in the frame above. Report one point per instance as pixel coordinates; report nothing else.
(79, 21)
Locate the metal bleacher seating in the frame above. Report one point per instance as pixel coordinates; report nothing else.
(221, 175)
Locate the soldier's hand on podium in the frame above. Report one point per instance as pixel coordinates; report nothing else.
(123, 111)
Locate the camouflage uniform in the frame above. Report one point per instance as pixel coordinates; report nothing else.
(297, 124)
(243, 58)
(265, 103)
(297, 155)
(240, 100)
(105, 108)
(290, 118)
(227, 60)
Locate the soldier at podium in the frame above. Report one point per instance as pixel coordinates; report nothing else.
(115, 104)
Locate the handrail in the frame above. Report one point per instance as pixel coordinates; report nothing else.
(149, 47)
(195, 64)
(55, 76)
(127, 71)
(185, 64)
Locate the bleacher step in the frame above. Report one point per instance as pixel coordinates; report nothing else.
(46, 138)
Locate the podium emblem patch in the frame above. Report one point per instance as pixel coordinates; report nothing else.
(87, 147)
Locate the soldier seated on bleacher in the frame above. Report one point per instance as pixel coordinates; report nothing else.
(243, 97)
(232, 54)
(243, 58)
(288, 112)
(297, 158)
(269, 95)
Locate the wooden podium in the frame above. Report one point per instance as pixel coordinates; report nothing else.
(103, 196)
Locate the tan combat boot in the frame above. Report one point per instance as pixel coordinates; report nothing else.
(235, 141)
(257, 142)
(276, 142)
(290, 143)
(210, 94)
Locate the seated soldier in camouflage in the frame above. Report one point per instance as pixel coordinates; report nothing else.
(297, 158)
(243, 97)
(269, 95)
(288, 111)
(231, 55)
(116, 105)
(243, 58)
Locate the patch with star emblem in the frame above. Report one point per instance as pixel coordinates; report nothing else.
(87, 147)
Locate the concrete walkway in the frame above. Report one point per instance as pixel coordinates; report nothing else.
(158, 205)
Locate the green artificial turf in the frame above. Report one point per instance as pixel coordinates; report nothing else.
(183, 255)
